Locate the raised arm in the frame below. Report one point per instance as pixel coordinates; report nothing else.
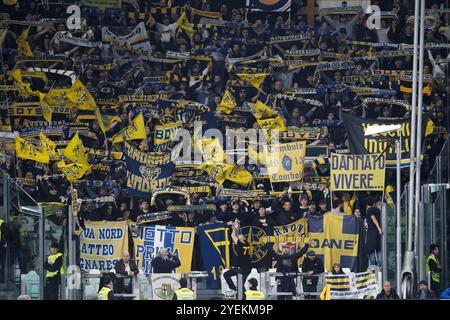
(330, 21)
(430, 56)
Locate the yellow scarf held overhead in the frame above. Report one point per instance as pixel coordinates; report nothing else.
(184, 24)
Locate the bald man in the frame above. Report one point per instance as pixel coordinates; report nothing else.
(125, 267)
(388, 292)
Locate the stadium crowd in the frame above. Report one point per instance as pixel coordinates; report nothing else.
(197, 59)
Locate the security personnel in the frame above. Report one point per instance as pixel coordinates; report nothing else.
(106, 292)
(54, 267)
(434, 267)
(254, 293)
(184, 293)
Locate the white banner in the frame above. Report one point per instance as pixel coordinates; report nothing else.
(353, 285)
(136, 40)
(343, 3)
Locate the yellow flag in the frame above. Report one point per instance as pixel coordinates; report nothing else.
(260, 110)
(99, 118)
(27, 150)
(134, 131)
(79, 95)
(228, 102)
(429, 128)
(57, 97)
(212, 150)
(47, 111)
(257, 156)
(72, 171)
(272, 124)
(255, 80)
(22, 43)
(216, 171)
(325, 295)
(108, 120)
(48, 145)
(240, 176)
(24, 88)
(75, 151)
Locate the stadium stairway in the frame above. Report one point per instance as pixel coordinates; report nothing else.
(208, 294)
(8, 291)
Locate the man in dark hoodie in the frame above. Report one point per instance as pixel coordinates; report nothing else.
(287, 262)
(286, 214)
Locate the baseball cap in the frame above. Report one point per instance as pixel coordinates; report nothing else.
(311, 253)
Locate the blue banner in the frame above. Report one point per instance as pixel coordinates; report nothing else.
(146, 171)
(215, 251)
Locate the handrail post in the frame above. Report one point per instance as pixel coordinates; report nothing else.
(240, 294)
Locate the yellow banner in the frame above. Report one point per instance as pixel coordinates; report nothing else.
(357, 172)
(102, 244)
(285, 162)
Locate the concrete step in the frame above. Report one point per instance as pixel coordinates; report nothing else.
(209, 294)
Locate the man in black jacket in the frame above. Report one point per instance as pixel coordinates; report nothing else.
(127, 268)
(165, 262)
(286, 262)
(424, 293)
(312, 265)
(387, 293)
(243, 262)
(286, 214)
(53, 265)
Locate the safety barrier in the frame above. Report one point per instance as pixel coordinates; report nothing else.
(142, 286)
